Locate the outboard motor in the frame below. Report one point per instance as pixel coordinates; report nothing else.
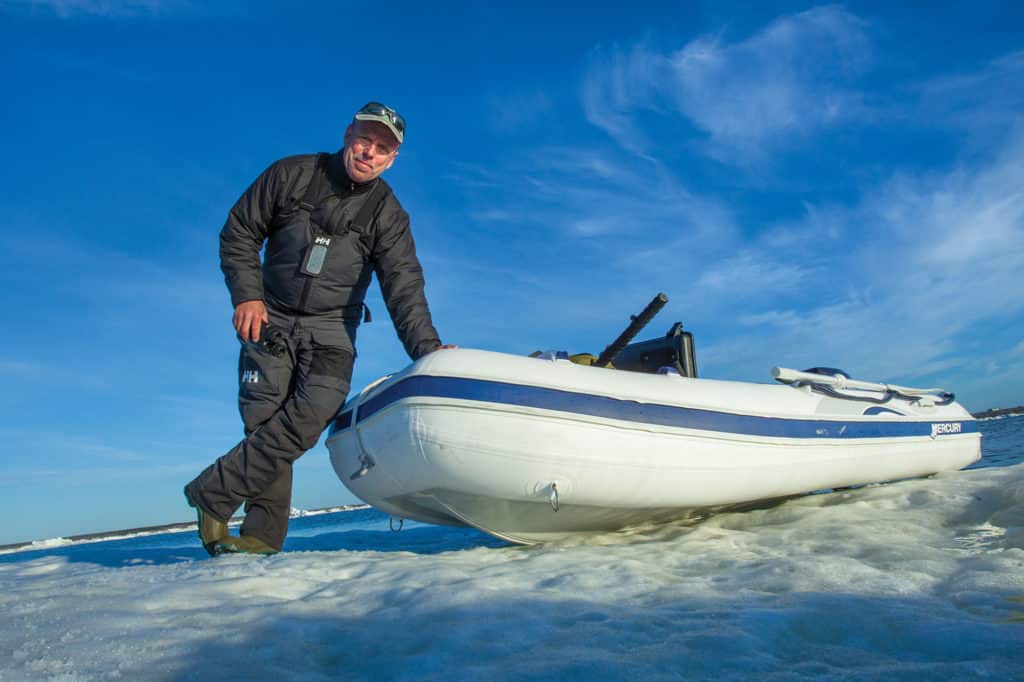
(675, 350)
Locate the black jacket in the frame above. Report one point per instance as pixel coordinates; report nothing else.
(269, 211)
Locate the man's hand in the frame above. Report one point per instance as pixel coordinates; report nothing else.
(249, 317)
(447, 345)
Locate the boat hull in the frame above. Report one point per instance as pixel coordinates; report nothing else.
(532, 450)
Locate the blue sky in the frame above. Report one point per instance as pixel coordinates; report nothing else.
(810, 184)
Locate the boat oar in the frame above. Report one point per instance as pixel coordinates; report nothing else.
(792, 376)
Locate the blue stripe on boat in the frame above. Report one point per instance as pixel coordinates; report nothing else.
(645, 413)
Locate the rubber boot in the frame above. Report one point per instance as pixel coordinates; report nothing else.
(210, 529)
(243, 544)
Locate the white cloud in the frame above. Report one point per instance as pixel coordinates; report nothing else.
(918, 264)
(598, 232)
(749, 98)
(99, 8)
(981, 101)
(749, 273)
(23, 369)
(897, 283)
(494, 215)
(138, 283)
(964, 227)
(514, 110)
(619, 83)
(598, 193)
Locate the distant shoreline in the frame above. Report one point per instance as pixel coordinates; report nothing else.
(151, 530)
(999, 412)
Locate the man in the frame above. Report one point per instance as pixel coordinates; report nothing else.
(329, 221)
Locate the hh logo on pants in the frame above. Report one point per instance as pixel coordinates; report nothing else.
(250, 376)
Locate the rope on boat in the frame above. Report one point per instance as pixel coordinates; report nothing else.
(391, 523)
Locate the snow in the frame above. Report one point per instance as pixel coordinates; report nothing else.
(142, 533)
(51, 542)
(297, 513)
(909, 580)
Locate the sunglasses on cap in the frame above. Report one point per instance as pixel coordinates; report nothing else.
(375, 111)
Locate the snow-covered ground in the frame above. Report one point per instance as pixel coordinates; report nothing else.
(50, 543)
(910, 580)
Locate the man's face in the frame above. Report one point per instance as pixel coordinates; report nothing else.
(370, 149)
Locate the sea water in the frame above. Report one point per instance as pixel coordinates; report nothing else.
(909, 580)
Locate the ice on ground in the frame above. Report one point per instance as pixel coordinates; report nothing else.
(51, 542)
(297, 513)
(921, 578)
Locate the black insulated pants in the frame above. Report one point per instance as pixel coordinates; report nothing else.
(286, 402)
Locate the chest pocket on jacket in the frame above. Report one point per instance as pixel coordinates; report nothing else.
(349, 255)
(346, 259)
(287, 245)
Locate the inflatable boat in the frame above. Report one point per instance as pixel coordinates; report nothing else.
(531, 449)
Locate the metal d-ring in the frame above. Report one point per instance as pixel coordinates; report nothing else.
(365, 464)
(553, 498)
(391, 522)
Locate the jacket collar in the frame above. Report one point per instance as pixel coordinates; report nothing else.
(339, 176)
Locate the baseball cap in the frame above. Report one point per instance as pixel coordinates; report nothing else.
(375, 111)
